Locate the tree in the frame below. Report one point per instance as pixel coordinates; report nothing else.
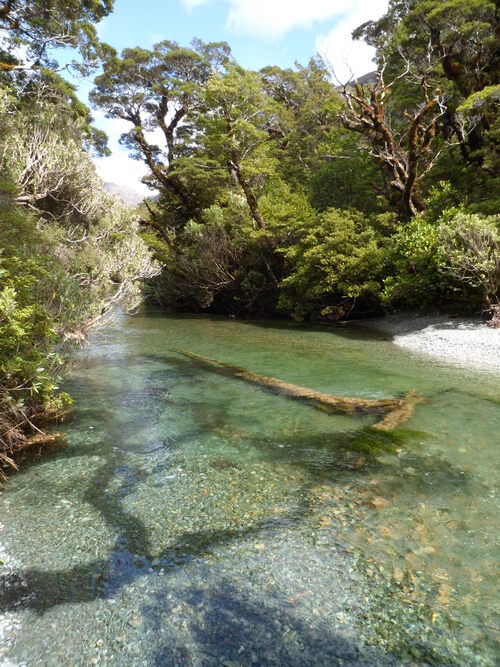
(35, 28)
(469, 248)
(308, 106)
(239, 130)
(405, 155)
(156, 91)
(316, 154)
(336, 263)
(455, 44)
(44, 159)
(92, 235)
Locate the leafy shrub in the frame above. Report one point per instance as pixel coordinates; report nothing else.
(64, 263)
(336, 263)
(469, 252)
(412, 266)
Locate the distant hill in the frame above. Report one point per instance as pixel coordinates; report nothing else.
(125, 193)
(371, 77)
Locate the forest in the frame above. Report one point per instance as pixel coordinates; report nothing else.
(275, 193)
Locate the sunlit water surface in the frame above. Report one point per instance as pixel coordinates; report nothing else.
(197, 520)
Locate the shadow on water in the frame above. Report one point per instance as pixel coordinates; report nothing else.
(132, 556)
(229, 611)
(349, 329)
(247, 628)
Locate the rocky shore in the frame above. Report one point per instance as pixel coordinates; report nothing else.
(466, 342)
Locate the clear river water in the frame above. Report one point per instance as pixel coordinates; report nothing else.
(194, 519)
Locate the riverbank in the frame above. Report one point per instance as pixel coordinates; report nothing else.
(463, 341)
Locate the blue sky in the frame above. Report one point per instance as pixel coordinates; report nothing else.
(174, 20)
(260, 32)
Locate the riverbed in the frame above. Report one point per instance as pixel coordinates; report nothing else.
(194, 519)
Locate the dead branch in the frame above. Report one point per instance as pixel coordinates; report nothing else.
(406, 158)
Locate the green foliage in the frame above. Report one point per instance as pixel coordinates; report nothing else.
(484, 106)
(346, 181)
(52, 290)
(216, 265)
(162, 89)
(469, 252)
(443, 200)
(236, 130)
(336, 263)
(412, 265)
(268, 196)
(444, 34)
(28, 330)
(286, 211)
(451, 50)
(69, 252)
(455, 257)
(37, 27)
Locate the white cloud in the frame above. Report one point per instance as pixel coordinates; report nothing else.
(120, 169)
(347, 57)
(191, 4)
(272, 19)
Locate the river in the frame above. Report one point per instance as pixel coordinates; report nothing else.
(194, 519)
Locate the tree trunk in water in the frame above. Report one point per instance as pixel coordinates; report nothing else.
(397, 411)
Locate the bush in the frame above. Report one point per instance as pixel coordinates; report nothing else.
(29, 364)
(336, 263)
(412, 266)
(469, 253)
(64, 263)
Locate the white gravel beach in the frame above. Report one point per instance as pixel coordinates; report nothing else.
(467, 342)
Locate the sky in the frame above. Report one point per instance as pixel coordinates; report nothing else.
(260, 32)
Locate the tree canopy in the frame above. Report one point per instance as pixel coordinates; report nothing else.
(277, 187)
(33, 29)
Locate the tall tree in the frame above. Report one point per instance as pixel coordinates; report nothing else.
(156, 91)
(309, 105)
(455, 44)
(239, 131)
(403, 149)
(316, 154)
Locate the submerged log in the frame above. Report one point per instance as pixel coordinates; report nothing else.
(401, 413)
(397, 410)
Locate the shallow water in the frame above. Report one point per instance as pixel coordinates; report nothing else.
(197, 520)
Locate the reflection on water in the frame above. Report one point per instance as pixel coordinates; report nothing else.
(198, 520)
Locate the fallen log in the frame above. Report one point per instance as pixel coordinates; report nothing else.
(401, 413)
(396, 410)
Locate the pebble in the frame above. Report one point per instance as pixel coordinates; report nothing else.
(135, 621)
(467, 342)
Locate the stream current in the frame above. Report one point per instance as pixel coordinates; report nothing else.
(194, 519)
